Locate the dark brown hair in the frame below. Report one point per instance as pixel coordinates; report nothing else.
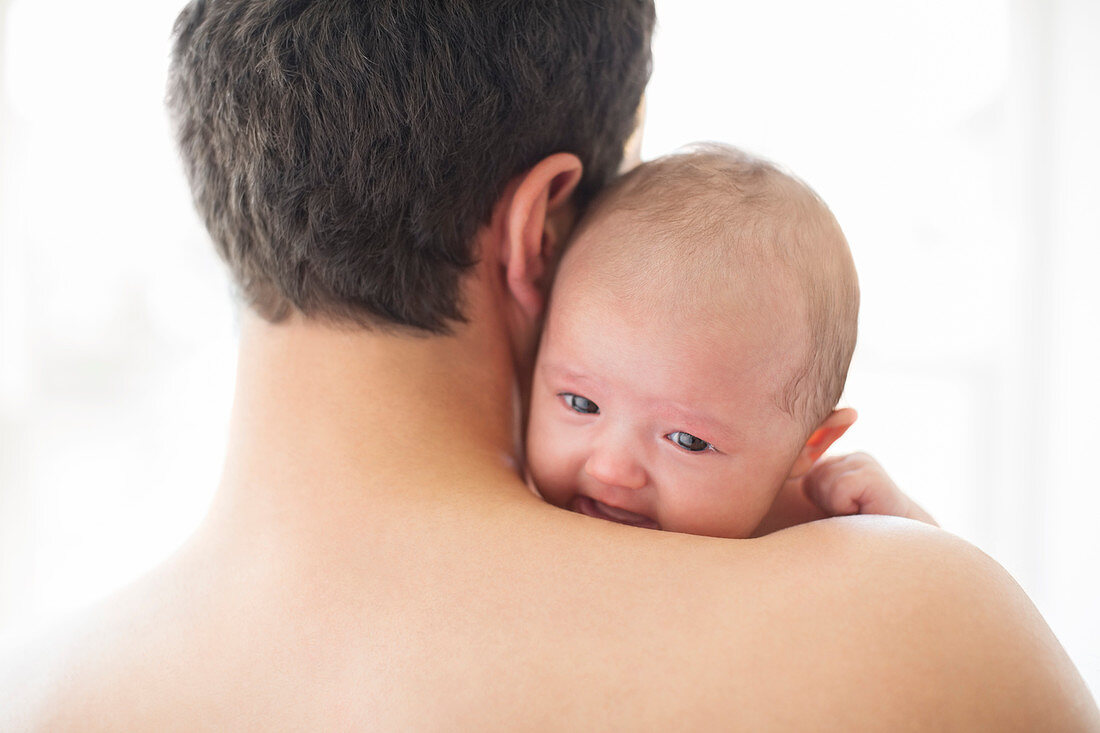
(342, 153)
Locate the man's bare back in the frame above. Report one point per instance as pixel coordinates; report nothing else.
(398, 602)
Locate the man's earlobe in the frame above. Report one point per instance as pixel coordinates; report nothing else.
(530, 241)
(827, 433)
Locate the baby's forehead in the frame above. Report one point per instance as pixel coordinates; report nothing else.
(669, 362)
(677, 317)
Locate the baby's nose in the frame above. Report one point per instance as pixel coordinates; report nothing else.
(615, 466)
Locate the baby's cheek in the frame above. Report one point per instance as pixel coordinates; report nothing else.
(546, 463)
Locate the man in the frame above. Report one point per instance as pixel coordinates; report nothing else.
(390, 183)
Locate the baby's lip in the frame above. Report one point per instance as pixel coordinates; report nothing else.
(599, 510)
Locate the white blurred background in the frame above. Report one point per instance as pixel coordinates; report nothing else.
(956, 141)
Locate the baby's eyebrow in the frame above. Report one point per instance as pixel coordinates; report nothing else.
(561, 370)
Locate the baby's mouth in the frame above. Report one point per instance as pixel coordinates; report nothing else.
(599, 510)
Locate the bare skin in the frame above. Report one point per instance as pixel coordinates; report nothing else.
(373, 560)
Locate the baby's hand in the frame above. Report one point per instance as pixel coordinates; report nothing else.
(857, 484)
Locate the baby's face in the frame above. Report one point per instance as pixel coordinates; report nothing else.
(648, 416)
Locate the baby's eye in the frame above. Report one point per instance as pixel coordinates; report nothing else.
(687, 441)
(579, 404)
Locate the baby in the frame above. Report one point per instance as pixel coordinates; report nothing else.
(697, 342)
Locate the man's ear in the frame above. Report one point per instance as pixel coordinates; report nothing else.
(530, 241)
(827, 433)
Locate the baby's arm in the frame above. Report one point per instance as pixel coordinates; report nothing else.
(857, 484)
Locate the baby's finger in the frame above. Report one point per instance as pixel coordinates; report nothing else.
(834, 485)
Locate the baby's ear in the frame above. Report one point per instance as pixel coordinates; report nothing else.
(823, 436)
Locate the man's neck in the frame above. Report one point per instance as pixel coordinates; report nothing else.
(331, 415)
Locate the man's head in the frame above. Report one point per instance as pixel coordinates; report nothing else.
(344, 153)
(698, 340)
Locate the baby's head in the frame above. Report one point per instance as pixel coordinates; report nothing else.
(697, 341)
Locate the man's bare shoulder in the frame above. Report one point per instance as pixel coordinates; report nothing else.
(546, 619)
(866, 623)
(904, 616)
(80, 671)
(856, 623)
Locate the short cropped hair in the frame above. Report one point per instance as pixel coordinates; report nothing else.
(343, 153)
(712, 209)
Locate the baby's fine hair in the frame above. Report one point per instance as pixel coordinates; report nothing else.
(717, 212)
